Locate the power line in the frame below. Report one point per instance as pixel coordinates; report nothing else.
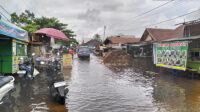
(175, 18)
(165, 20)
(144, 15)
(178, 4)
(6, 12)
(4, 16)
(4, 9)
(153, 9)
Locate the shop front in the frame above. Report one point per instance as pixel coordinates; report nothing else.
(13, 47)
(181, 54)
(194, 55)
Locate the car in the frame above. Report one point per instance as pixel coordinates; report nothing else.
(83, 52)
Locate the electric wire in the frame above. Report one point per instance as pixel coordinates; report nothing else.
(174, 18)
(153, 9)
(178, 4)
(143, 17)
(4, 9)
(4, 16)
(161, 22)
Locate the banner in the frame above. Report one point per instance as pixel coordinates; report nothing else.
(172, 55)
(9, 29)
(67, 60)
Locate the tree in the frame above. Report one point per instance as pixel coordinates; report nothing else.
(23, 19)
(97, 37)
(30, 23)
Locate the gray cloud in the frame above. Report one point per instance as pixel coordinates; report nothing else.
(91, 15)
(87, 17)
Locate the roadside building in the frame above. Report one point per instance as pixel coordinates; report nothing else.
(119, 42)
(144, 48)
(44, 41)
(92, 44)
(13, 46)
(192, 28)
(85, 40)
(192, 37)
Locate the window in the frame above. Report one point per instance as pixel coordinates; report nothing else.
(20, 50)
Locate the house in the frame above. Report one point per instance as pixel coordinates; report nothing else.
(85, 40)
(192, 28)
(192, 35)
(144, 48)
(118, 42)
(157, 34)
(92, 44)
(40, 44)
(44, 43)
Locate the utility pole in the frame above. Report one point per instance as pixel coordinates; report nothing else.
(104, 33)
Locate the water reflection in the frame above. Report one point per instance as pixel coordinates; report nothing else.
(177, 94)
(94, 87)
(32, 96)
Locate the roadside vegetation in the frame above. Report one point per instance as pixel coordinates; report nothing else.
(29, 22)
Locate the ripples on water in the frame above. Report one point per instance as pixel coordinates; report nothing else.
(94, 87)
(97, 88)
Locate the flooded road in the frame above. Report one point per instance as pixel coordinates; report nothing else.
(93, 87)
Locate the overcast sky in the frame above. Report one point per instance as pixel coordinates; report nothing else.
(87, 17)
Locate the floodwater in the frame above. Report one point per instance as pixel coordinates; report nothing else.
(93, 87)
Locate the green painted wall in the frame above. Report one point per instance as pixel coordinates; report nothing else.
(5, 56)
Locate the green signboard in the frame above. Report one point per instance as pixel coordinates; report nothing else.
(172, 55)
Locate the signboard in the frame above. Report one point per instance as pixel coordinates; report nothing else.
(16, 60)
(67, 60)
(11, 30)
(172, 55)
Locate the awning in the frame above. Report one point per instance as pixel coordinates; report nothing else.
(183, 38)
(11, 30)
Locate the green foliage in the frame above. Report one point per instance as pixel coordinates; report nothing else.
(97, 37)
(23, 19)
(30, 23)
(71, 41)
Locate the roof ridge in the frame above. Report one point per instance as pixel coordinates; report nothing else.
(160, 29)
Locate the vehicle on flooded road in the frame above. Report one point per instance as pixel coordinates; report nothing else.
(83, 52)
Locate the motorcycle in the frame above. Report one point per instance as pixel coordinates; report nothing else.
(58, 87)
(26, 69)
(58, 91)
(6, 86)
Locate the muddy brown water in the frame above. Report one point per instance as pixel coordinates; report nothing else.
(93, 87)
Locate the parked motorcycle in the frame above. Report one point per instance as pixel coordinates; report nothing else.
(26, 69)
(58, 87)
(6, 86)
(58, 91)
